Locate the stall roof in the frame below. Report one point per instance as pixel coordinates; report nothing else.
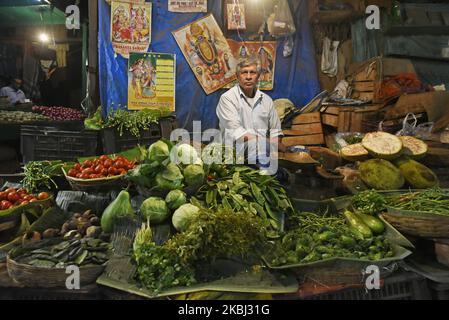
(23, 14)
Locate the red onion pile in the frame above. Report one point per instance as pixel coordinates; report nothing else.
(60, 113)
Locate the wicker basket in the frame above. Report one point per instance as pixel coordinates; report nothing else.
(96, 185)
(419, 224)
(35, 277)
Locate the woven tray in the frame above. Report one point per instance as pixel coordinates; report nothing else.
(35, 277)
(421, 224)
(97, 185)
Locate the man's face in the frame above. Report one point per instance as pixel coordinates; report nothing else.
(17, 83)
(248, 77)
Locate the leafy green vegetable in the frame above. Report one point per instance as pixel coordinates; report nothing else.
(434, 200)
(369, 202)
(39, 174)
(175, 199)
(220, 233)
(155, 210)
(184, 216)
(158, 152)
(194, 175)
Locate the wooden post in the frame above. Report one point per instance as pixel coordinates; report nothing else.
(94, 93)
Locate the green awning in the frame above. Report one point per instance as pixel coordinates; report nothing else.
(36, 15)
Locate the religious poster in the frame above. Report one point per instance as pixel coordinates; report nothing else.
(236, 16)
(266, 51)
(184, 6)
(207, 52)
(130, 26)
(151, 81)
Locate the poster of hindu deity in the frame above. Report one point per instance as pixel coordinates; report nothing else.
(130, 26)
(266, 51)
(207, 52)
(184, 6)
(236, 16)
(151, 81)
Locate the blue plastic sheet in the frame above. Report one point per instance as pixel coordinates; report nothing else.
(296, 76)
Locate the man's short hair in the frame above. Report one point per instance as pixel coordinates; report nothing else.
(246, 62)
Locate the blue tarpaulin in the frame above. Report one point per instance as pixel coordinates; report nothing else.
(296, 76)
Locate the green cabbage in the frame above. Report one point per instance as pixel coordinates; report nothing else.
(184, 216)
(184, 154)
(176, 199)
(154, 209)
(170, 179)
(194, 175)
(158, 151)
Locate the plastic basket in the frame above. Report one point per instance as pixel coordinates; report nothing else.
(404, 286)
(114, 143)
(49, 143)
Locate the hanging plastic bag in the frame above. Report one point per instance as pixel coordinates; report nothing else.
(329, 59)
(410, 127)
(282, 23)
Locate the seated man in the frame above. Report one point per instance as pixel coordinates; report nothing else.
(248, 115)
(13, 92)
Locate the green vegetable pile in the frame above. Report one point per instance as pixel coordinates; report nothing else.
(369, 202)
(21, 117)
(39, 174)
(244, 189)
(434, 200)
(313, 237)
(134, 122)
(212, 235)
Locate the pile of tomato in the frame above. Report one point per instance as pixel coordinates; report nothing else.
(11, 198)
(101, 168)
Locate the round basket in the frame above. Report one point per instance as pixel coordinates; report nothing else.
(418, 224)
(36, 277)
(105, 184)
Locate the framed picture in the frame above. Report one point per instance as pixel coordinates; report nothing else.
(266, 51)
(130, 27)
(236, 16)
(184, 6)
(151, 81)
(207, 52)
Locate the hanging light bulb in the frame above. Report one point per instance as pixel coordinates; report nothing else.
(43, 37)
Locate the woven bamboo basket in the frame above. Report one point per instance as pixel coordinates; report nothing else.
(418, 224)
(35, 277)
(96, 185)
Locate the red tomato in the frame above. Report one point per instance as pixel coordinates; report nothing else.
(112, 171)
(88, 171)
(104, 158)
(87, 164)
(28, 198)
(13, 197)
(119, 164)
(78, 175)
(43, 196)
(33, 200)
(24, 203)
(104, 172)
(5, 205)
(98, 169)
(84, 176)
(93, 176)
(10, 190)
(73, 172)
(107, 163)
(3, 196)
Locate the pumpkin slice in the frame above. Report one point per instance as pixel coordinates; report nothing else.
(354, 152)
(383, 145)
(414, 148)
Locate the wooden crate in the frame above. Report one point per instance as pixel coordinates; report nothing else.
(334, 16)
(353, 119)
(306, 130)
(366, 78)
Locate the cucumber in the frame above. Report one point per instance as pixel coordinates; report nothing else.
(375, 224)
(358, 224)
